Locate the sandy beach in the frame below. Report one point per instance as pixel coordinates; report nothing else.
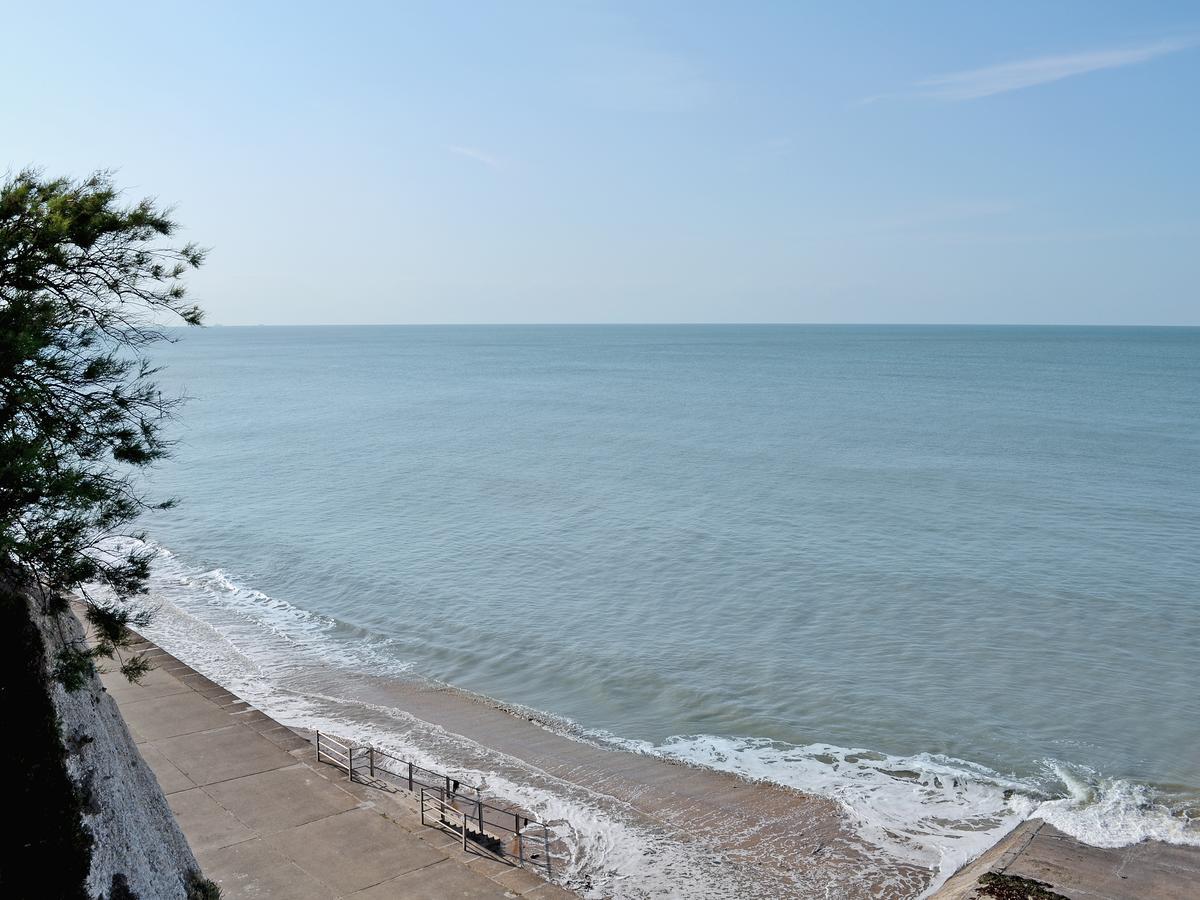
(263, 814)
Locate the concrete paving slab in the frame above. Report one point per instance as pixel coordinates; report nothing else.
(224, 753)
(138, 737)
(155, 653)
(162, 717)
(252, 718)
(440, 881)
(155, 683)
(206, 823)
(251, 869)
(170, 779)
(550, 892)
(354, 850)
(441, 840)
(480, 862)
(519, 881)
(281, 798)
(284, 738)
(200, 684)
(361, 792)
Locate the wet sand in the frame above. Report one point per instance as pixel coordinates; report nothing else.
(711, 832)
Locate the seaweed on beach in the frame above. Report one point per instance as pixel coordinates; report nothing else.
(1013, 887)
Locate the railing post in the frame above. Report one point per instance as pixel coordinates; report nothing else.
(422, 806)
(546, 845)
(479, 803)
(520, 847)
(410, 784)
(464, 828)
(350, 767)
(371, 758)
(318, 746)
(448, 794)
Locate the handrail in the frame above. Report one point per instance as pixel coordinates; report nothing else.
(334, 741)
(527, 839)
(332, 753)
(414, 776)
(428, 798)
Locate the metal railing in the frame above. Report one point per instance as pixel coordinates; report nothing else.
(406, 774)
(502, 831)
(447, 816)
(335, 753)
(527, 841)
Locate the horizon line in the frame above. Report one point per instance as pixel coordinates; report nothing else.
(693, 324)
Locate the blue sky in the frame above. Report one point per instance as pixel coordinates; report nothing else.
(663, 162)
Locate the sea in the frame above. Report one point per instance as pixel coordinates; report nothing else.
(948, 577)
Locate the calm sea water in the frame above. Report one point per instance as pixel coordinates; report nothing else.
(752, 546)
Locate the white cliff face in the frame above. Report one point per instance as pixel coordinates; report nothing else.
(136, 835)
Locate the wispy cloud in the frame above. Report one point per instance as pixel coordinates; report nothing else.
(480, 156)
(974, 84)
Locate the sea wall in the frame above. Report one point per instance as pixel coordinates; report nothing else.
(137, 842)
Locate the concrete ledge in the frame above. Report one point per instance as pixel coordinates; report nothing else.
(1040, 852)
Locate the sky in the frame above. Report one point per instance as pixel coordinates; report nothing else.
(639, 162)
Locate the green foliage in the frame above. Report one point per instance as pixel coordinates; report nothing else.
(135, 668)
(200, 888)
(73, 667)
(86, 285)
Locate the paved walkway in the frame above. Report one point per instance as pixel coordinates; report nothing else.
(265, 820)
(1040, 852)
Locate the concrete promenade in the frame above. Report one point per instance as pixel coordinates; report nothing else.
(1068, 868)
(265, 820)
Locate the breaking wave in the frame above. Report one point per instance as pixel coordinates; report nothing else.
(933, 811)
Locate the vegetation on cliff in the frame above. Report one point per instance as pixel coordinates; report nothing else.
(88, 282)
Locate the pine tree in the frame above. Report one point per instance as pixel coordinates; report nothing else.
(88, 283)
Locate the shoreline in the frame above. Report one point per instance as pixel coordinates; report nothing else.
(728, 833)
(640, 825)
(276, 654)
(928, 809)
(267, 819)
(721, 834)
